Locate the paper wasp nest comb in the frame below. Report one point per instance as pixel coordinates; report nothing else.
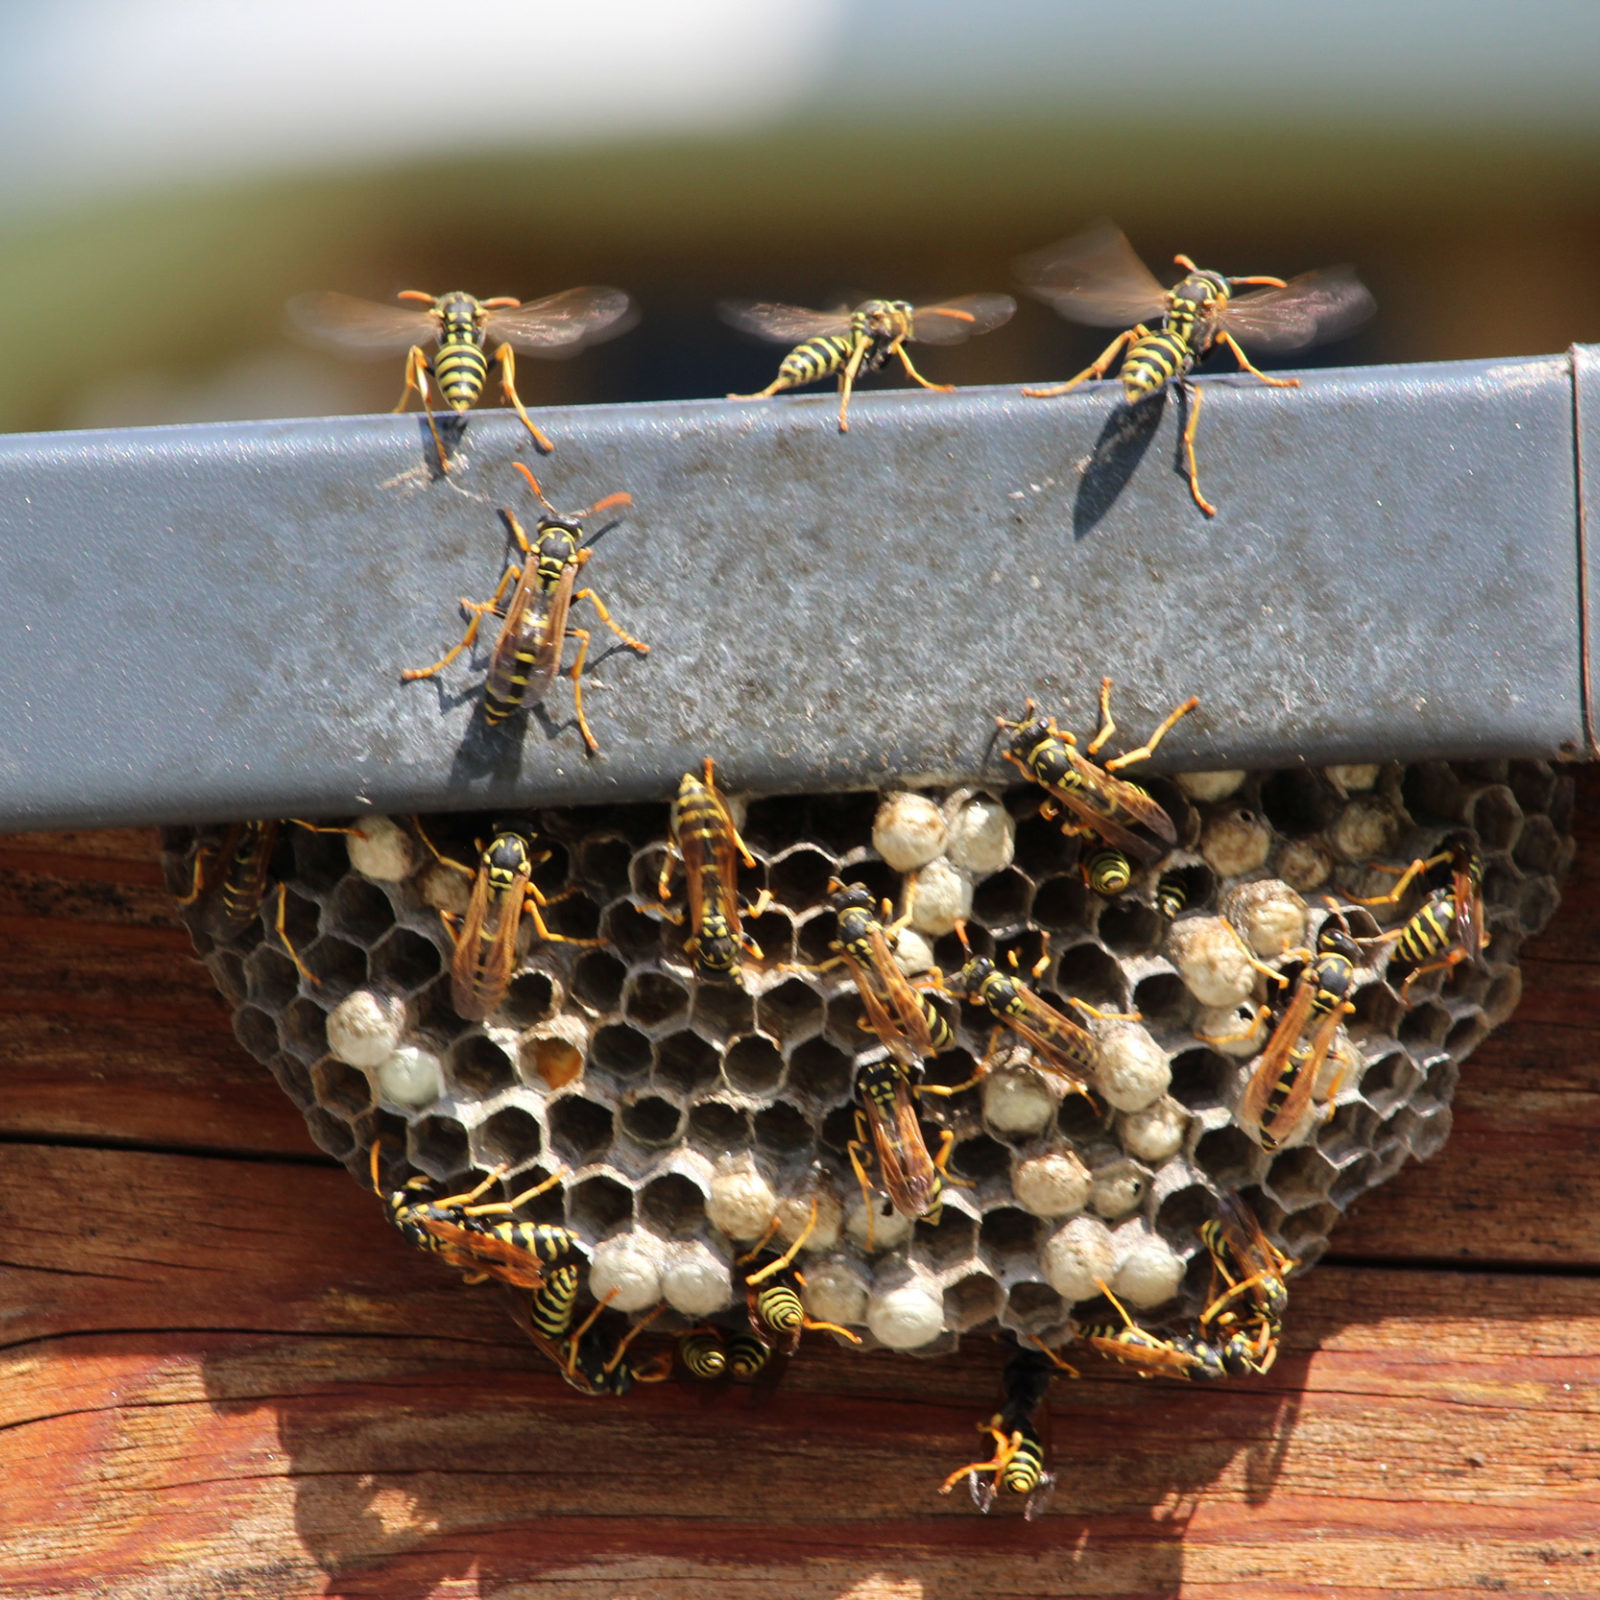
(688, 1112)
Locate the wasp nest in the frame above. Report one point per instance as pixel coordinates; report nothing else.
(688, 1115)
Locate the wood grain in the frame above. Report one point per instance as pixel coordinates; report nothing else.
(222, 1372)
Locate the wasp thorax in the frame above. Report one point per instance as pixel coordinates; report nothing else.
(459, 311)
(507, 855)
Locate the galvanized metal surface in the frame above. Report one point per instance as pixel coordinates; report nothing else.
(209, 622)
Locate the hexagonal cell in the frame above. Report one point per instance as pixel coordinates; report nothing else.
(597, 980)
(1348, 1134)
(1429, 1132)
(1058, 903)
(1389, 1081)
(580, 1130)
(814, 938)
(435, 1014)
(790, 1011)
(952, 1242)
(510, 1136)
(341, 1087)
(603, 864)
(402, 961)
(1377, 1010)
(330, 1134)
(1131, 928)
(753, 1065)
(1307, 1231)
(773, 933)
(293, 1078)
(1533, 783)
(597, 1205)
(1035, 1307)
(1299, 1178)
(1042, 848)
(981, 1160)
(302, 1028)
(969, 1301)
(1433, 793)
(652, 998)
(1535, 906)
(1538, 846)
(685, 1063)
(1180, 1214)
(673, 1206)
(1493, 811)
(1298, 802)
(1201, 1078)
(318, 859)
(1001, 901)
(271, 981)
(784, 1130)
(716, 1127)
(360, 912)
(819, 1074)
(1466, 1035)
(1008, 1235)
(1164, 1001)
(1353, 1181)
(575, 916)
(1231, 1157)
(478, 1068)
(636, 936)
(530, 998)
(1423, 1025)
(648, 1119)
(721, 1011)
(841, 823)
(1440, 1077)
(439, 1147)
(799, 878)
(621, 1053)
(1087, 972)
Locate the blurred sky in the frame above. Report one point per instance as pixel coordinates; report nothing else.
(182, 167)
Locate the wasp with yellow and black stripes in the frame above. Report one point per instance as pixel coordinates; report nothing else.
(772, 1295)
(1449, 928)
(485, 937)
(707, 845)
(1096, 278)
(462, 327)
(1096, 801)
(852, 342)
(536, 621)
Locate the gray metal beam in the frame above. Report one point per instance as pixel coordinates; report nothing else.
(209, 622)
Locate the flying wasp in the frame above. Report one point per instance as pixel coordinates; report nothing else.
(517, 1253)
(230, 879)
(852, 342)
(1020, 1431)
(485, 938)
(536, 620)
(462, 327)
(1096, 800)
(706, 842)
(907, 1022)
(1096, 278)
(777, 1317)
(1449, 928)
(1285, 1076)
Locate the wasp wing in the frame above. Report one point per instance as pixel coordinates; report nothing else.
(1310, 309)
(951, 321)
(1278, 1055)
(1094, 277)
(904, 1165)
(562, 324)
(782, 324)
(880, 1015)
(342, 322)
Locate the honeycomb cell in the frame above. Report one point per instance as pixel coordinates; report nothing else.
(1078, 1257)
(673, 1206)
(580, 1130)
(1182, 1212)
(715, 1127)
(1230, 1156)
(1538, 846)
(256, 1031)
(1348, 1133)
(1130, 928)
(1058, 903)
(271, 981)
(905, 1317)
(1269, 915)
(1148, 1272)
(1235, 843)
(341, 1087)
(1305, 865)
(721, 1012)
(841, 822)
(1429, 1133)
(380, 848)
(439, 1147)
(603, 865)
(1299, 1178)
(1087, 972)
(695, 1280)
(982, 836)
(597, 980)
(938, 897)
(329, 1132)
(815, 937)
(799, 878)
(1389, 1081)
(360, 912)
(742, 1200)
(773, 933)
(635, 936)
(1164, 1001)
(836, 1291)
(650, 1120)
(1433, 793)
(1210, 786)
(478, 1068)
(1017, 1101)
(652, 998)
(403, 961)
(685, 1063)
(1034, 1307)
(1494, 814)
(302, 1026)
(1001, 902)
(1365, 829)
(782, 1130)
(1201, 1079)
(1297, 802)
(753, 1065)
(510, 1136)
(531, 998)
(625, 1271)
(1051, 1183)
(791, 1011)
(980, 1160)
(970, 1301)
(1425, 1024)
(819, 1074)
(1118, 1188)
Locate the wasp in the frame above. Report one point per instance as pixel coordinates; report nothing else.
(888, 1132)
(777, 1317)
(1058, 1043)
(1184, 1356)
(1096, 278)
(852, 342)
(485, 938)
(1107, 872)
(1251, 1266)
(1449, 928)
(462, 327)
(706, 842)
(1096, 800)
(1286, 1071)
(908, 1023)
(535, 623)
(587, 1366)
(1172, 895)
(514, 1252)
(1020, 1431)
(231, 877)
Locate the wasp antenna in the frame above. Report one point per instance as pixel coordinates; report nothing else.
(416, 294)
(961, 934)
(533, 483)
(620, 498)
(377, 1145)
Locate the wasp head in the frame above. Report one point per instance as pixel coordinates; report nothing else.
(972, 977)
(716, 948)
(850, 897)
(884, 319)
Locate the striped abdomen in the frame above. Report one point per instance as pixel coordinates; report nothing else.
(779, 1307)
(702, 1355)
(552, 1305)
(1156, 359)
(460, 367)
(1278, 1095)
(1430, 931)
(521, 668)
(746, 1356)
(1109, 872)
(816, 358)
(702, 840)
(244, 880)
(1024, 1470)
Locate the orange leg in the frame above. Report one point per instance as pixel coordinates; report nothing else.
(508, 386)
(417, 374)
(1096, 368)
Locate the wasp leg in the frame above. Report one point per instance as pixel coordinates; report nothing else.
(1106, 1016)
(1406, 876)
(787, 1258)
(1261, 1015)
(479, 609)
(1193, 395)
(977, 1077)
(1148, 748)
(1004, 1449)
(854, 1150)
(727, 816)
(1452, 960)
(472, 1194)
(554, 1181)
(283, 933)
(847, 380)
(915, 376)
(1096, 368)
(508, 386)
(418, 372)
(941, 1162)
(605, 616)
(531, 907)
(781, 382)
(197, 883)
(1053, 1357)
(628, 1338)
(1244, 361)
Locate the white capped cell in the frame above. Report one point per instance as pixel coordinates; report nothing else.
(364, 1028)
(411, 1076)
(1077, 1256)
(741, 1203)
(982, 836)
(625, 1271)
(938, 896)
(1054, 1183)
(1235, 843)
(380, 848)
(908, 831)
(907, 1316)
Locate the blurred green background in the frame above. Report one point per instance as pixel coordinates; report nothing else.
(178, 170)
